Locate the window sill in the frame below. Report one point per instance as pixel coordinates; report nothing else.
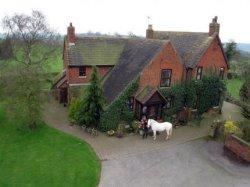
(82, 77)
(165, 86)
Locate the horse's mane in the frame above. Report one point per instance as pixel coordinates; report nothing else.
(152, 120)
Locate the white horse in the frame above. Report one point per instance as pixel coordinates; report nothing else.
(155, 126)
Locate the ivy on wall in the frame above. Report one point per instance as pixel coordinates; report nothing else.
(177, 95)
(201, 94)
(212, 89)
(119, 109)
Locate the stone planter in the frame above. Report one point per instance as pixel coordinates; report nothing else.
(238, 146)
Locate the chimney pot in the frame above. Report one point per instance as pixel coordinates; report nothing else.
(71, 34)
(214, 27)
(150, 32)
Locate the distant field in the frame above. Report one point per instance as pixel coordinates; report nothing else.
(53, 65)
(233, 87)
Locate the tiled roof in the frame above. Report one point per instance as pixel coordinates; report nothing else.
(145, 94)
(95, 51)
(189, 45)
(136, 55)
(59, 79)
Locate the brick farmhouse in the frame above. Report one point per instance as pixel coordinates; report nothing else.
(162, 59)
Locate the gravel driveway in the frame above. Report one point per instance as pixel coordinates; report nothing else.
(195, 163)
(181, 161)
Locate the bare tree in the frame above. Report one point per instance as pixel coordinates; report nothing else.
(33, 43)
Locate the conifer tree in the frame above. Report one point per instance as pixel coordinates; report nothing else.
(93, 101)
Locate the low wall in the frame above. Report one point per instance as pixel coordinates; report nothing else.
(238, 146)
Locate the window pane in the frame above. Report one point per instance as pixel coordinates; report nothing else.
(166, 77)
(199, 73)
(221, 73)
(82, 71)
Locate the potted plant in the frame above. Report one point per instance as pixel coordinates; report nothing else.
(111, 133)
(120, 131)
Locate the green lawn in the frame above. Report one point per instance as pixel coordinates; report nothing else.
(45, 157)
(233, 87)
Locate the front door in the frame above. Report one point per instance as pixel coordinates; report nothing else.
(155, 111)
(63, 95)
(152, 112)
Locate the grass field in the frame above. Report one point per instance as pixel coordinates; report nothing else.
(54, 64)
(45, 157)
(233, 87)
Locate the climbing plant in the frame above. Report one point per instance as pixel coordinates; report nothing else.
(119, 110)
(201, 94)
(210, 91)
(177, 95)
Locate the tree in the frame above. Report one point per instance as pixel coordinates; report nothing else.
(33, 43)
(230, 49)
(132, 35)
(93, 101)
(245, 95)
(6, 51)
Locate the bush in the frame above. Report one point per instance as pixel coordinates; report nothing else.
(245, 99)
(231, 128)
(245, 126)
(246, 133)
(75, 115)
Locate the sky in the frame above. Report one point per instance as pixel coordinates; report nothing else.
(123, 16)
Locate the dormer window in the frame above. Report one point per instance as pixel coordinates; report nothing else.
(199, 73)
(166, 77)
(82, 71)
(221, 74)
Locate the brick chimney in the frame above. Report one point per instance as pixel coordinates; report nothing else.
(71, 34)
(150, 32)
(214, 27)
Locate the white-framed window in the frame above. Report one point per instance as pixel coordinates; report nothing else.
(166, 75)
(222, 71)
(82, 71)
(199, 73)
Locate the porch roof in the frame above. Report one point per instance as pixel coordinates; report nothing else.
(59, 79)
(145, 94)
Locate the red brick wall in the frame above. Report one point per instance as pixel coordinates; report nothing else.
(237, 147)
(73, 74)
(212, 59)
(166, 59)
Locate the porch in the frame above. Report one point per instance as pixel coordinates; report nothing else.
(150, 102)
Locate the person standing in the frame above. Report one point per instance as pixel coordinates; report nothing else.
(144, 124)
